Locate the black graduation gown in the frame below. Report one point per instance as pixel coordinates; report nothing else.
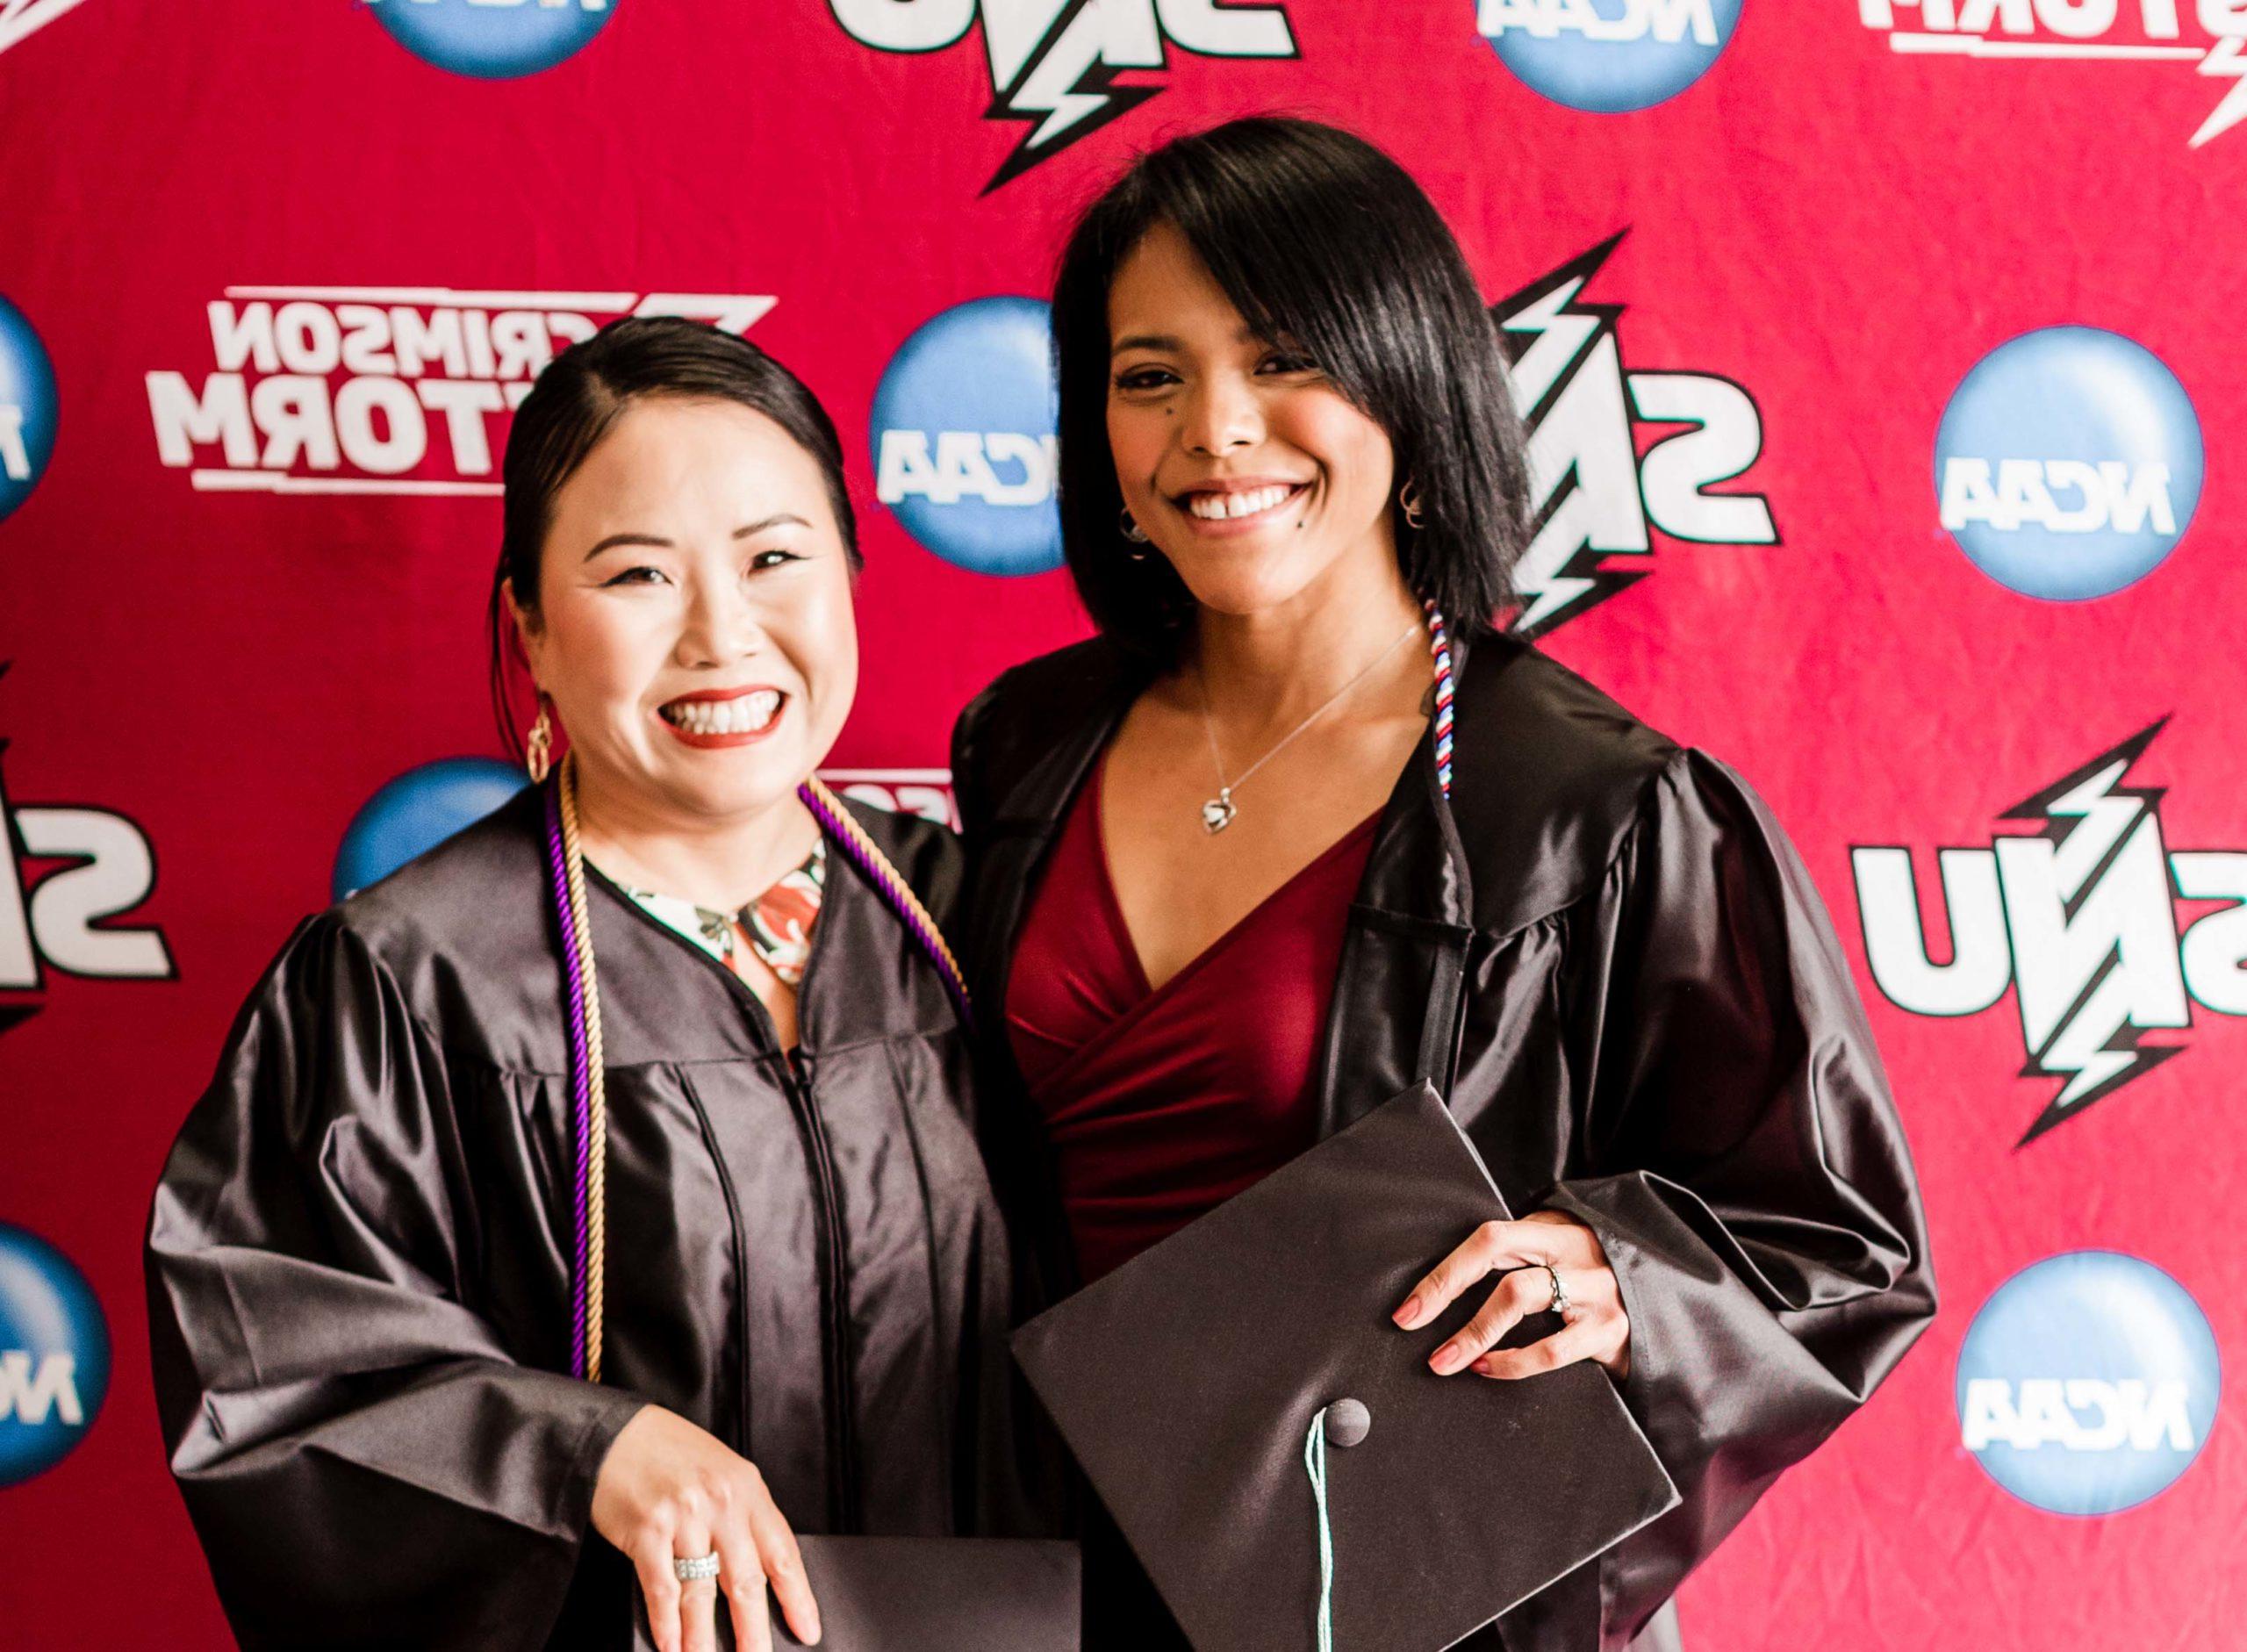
(1607, 958)
(356, 1260)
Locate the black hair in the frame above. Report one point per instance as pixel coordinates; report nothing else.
(578, 397)
(1327, 248)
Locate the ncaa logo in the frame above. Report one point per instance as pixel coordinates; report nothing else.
(2068, 463)
(963, 437)
(54, 1355)
(416, 812)
(1608, 57)
(27, 408)
(2087, 1384)
(493, 39)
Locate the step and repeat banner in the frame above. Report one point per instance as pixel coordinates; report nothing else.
(1884, 364)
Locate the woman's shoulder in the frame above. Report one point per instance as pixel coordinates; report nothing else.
(925, 853)
(1044, 698)
(473, 908)
(436, 954)
(1550, 727)
(1028, 707)
(1551, 776)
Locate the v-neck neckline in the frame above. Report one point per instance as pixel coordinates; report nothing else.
(734, 931)
(1112, 902)
(760, 1013)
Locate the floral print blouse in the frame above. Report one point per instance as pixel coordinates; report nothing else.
(776, 926)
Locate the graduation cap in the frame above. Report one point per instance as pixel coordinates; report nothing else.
(939, 1594)
(1187, 1383)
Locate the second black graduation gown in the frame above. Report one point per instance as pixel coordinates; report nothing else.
(1605, 956)
(358, 1290)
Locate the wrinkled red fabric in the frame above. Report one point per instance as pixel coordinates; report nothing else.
(1160, 1103)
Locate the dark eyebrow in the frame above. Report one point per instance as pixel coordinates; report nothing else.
(614, 539)
(1165, 341)
(743, 532)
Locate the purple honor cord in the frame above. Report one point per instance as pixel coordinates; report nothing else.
(580, 1072)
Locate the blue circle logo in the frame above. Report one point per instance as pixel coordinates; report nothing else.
(54, 1355)
(416, 812)
(2087, 1384)
(28, 408)
(1608, 57)
(493, 39)
(2068, 463)
(963, 437)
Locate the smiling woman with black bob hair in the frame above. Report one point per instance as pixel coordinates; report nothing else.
(1324, 246)
(1304, 824)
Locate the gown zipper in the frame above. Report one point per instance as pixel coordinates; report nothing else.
(839, 1385)
(843, 1433)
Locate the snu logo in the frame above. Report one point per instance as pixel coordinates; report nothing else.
(1597, 483)
(2075, 911)
(66, 920)
(1053, 65)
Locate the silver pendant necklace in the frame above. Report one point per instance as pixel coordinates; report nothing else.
(1218, 812)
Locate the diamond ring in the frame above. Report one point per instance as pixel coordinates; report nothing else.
(693, 1568)
(1560, 1303)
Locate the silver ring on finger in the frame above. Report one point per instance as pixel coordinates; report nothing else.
(694, 1568)
(1560, 1303)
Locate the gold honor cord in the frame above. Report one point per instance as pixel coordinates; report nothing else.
(595, 1144)
(592, 1186)
(903, 902)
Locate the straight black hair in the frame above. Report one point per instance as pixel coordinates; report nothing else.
(1328, 247)
(578, 397)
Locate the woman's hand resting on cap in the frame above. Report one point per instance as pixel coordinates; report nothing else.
(1595, 1327)
(668, 1491)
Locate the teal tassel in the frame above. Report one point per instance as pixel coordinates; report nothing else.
(1314, 1459)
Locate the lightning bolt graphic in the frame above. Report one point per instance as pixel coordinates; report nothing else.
(1055, 63)
(2224, 61)
(1062, 76)
(1568, 383)
(2099, 852)
(19, 17)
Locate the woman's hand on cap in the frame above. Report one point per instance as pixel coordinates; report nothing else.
(1594, 1326)
(670, 1491)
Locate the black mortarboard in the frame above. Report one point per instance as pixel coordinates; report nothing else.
(1186, 1381)
(938, 1594)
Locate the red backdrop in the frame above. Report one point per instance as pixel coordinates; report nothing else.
(1842, 217)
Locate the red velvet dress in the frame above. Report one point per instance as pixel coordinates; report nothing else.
(1161, 1104)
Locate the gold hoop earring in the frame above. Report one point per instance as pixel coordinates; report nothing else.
(538, 747)
(1128, 525)
(1408, 501)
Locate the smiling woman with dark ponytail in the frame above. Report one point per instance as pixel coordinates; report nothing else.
(592, 1205)
(1304, 825)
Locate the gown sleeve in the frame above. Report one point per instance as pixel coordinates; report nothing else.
(1752, 1185)
(364, 1462)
